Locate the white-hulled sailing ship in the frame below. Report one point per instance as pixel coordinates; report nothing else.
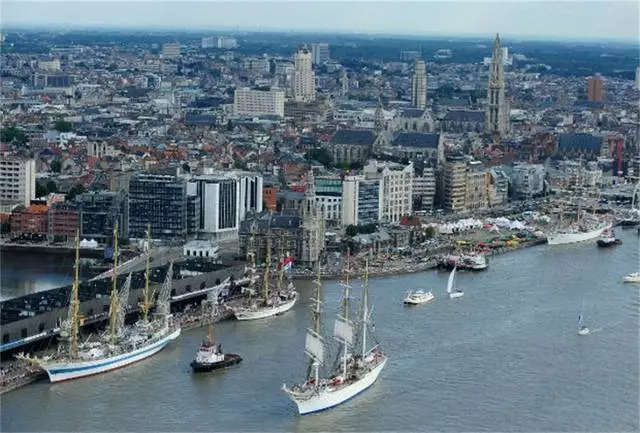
(122, 345)
(583, 228)
(270, 304)
(355, 370)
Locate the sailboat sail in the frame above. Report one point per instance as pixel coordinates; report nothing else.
(343, 331)
(452, 276)
(314, 346)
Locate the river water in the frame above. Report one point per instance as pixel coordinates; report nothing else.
(505, 357)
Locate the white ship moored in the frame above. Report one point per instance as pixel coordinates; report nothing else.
(61, 371)
(261, 312)
(576, 236)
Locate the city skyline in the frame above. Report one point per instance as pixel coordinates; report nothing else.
(587, 20)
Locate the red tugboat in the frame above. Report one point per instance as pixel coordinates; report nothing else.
(210, 356)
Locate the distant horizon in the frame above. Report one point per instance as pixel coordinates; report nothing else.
(561, 21)
(230, 30)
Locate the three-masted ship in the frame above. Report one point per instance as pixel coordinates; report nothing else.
(270, 303)
(356, 368)
(122, 345)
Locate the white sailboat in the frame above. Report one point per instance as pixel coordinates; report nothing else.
(453, 293)
(353, 374)
(121, 346)
(582, 329)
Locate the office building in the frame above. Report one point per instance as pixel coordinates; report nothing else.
(225, 43)
(396, 189)
(248, 102)
(170, 51)
(303, 80)
(477, 191)
(527, 180)
(419, 86)
(497, 112)
(159, 200)
(360, 200)
(99, 212)
(328, 196)
(224, 200)
(17, 181)
(319, 53)
(209, 42)
(424, 189)
(454, 184)
(595, 91)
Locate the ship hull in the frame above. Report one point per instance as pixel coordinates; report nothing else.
(59, 372)
(327, 400)
(574, 238)
(266, 312)
(203, 367)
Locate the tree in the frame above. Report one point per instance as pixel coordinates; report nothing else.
(239, 164)
(351, 230)
(51, 186)
(11, 133)
(321, 155)
(74, 191)
(41, 190)
(56, 166)
(63, 126)
(186, 167)
(229, 126)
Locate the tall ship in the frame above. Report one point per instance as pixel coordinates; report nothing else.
(355, 369)
(583, 227)
(270, 303)
(121, 345)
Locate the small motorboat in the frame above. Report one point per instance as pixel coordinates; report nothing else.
(632, 278)
(210, 356)
(582, 329)
(418, 297)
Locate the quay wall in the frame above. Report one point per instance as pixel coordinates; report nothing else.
(50, 249)
(93, 309)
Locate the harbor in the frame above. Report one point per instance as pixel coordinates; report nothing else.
(514, 330)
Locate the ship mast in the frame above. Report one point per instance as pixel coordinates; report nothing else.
(281, 256)
(267, 266)
(345, 313)
(113, 307)
(251, 258)
(74, 303)
(147, 302)
(365, 307)
(317, 315)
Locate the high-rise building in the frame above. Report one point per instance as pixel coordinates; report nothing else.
(328, 195)
(248, 102)
(419, 86)
(159, 200)
(396, 189)
(360, 200)
(497, 115)
(171, 50)
(455, 184)
(595, 89)
(210, 42)
(424, 189)
(224, 200)
(477, 193)
(17, 181)
(303, 79)
(319, 53)
(99, 212)
(225, 43)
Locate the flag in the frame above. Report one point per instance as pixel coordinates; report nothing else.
(287, 263)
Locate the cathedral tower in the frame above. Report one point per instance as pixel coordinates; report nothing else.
(497, 114)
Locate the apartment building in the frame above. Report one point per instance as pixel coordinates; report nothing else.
(396, 188)
(17, 181)
(250, 102)
(454, 184)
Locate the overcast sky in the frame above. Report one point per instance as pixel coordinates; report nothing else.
(582, 19)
